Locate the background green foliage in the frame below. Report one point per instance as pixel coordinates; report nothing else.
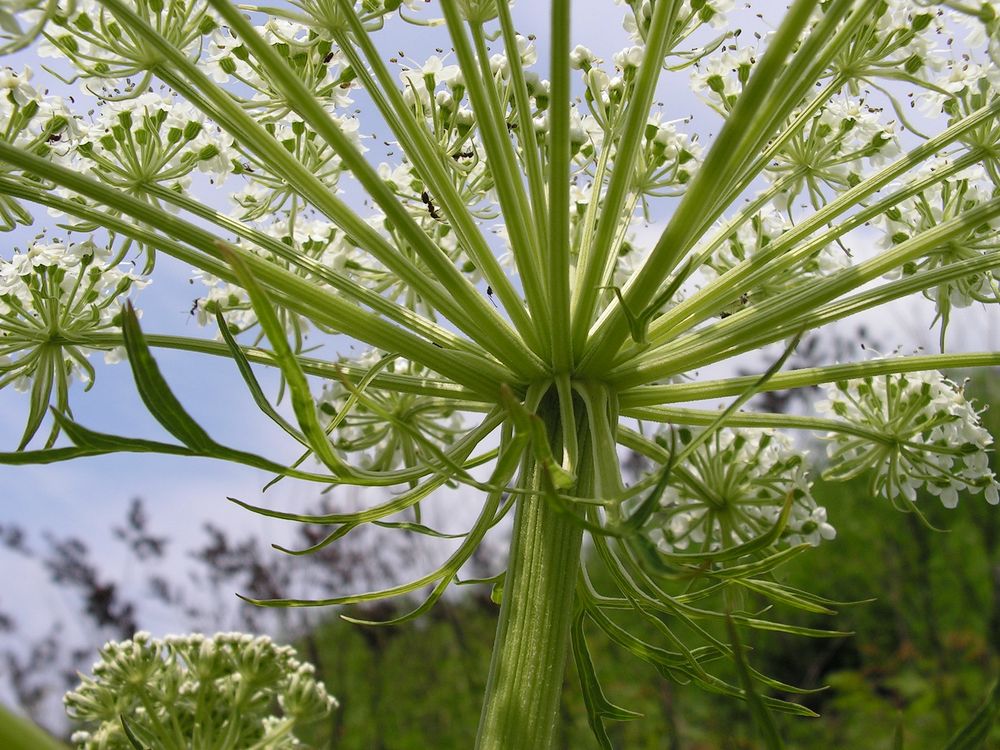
(924, 653)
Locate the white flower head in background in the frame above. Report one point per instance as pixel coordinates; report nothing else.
(732, 489)
(910, 430)
(228, 690)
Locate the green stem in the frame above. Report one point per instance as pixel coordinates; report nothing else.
(556, 265)
(840, 309)
(525, 122)
(426, 156)
(801, 306)
(595, 257)
(300, 260)
(459, 299)
(473, 59)
(708, 417)
(793, 247)
(806, 67)
(725, 155)
(529, 656)
(654, 395)
(294, 292)
(428, 386)
(526, 236)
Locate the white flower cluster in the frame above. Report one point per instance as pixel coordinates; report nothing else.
(32, 122)
(52, 297)
(315, 60)
(898, 40)
(753, 236)
(197, 691)
(961, 86)
(266, 195)
(24, 108)
(526, 53)
(941, 202)
(90, 37)
(719, 79)
(842, 143)
(732, 489)
(325, 18)
(911, 431)
(667, 159)
(691, 16)
(316, 239)
(385, 429)
(146, 142)
(152, 140)
(436, 94)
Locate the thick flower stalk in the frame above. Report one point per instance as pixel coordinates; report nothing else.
(537, 258)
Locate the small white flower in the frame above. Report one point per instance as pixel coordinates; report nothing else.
(15, 85)
(581, 58)
(629, 58)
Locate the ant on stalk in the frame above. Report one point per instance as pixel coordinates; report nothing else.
(431, 209)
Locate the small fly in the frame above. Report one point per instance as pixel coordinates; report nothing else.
(736, 306)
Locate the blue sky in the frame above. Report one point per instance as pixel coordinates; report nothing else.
(80, 496)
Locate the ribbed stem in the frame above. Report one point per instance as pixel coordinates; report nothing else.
(529, 656)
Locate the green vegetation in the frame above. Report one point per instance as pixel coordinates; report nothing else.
(925, 651)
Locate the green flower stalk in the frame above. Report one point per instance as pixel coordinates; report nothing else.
(539, 269)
